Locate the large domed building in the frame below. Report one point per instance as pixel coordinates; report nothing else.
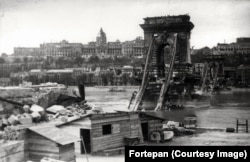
(101, 43)
(101, 38)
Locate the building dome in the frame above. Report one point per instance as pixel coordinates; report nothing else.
(101, 38)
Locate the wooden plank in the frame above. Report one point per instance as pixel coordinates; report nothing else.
(67, 148)
(38, 157)
(42, 152)
(98, 142)
(114, 144)
(70, 152)
(97, 149)
(42, 155)
(43, 148)
(109, 115)
(110, 137)
(54, 134)
(99, 133)
(75, 131)
(134, 117)
(42, 142)
(102, 121)
(80, 123)
(67, 153)
(17, 157)
(11, 148)
(38, 137)
(111, 144)
(67, 156)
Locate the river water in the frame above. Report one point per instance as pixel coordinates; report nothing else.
(225, 107)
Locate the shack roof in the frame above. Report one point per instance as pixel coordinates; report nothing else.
(54, 134)
(74, 120)
(101, 116)
(155, 114)
(170, 115)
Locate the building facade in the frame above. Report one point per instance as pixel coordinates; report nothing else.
(134, 48)
(127, 48)
(114, 49)
(89, 50)
(241, 46)
(100, 48)
(63, 48)
(27, 51)
(138, 48)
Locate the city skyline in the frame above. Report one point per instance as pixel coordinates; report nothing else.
(30, 23)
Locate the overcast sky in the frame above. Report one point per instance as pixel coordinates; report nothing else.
(28, 23)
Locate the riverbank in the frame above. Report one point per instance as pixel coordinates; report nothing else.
(211, 138)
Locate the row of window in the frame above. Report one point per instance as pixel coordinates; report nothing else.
(233, 48)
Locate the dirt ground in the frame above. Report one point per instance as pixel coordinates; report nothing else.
(210, 138)
(82, 158)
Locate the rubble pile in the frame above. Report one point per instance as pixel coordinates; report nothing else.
(46, 104)
(9, 133)
(73, 110)
(36, 114)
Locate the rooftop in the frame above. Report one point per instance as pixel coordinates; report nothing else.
(54, 134)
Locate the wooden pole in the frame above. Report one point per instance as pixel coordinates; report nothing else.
(84, 149)
(247, 125)
(236, 125)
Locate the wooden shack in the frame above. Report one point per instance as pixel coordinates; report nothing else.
(104, 132)
(51, 142)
